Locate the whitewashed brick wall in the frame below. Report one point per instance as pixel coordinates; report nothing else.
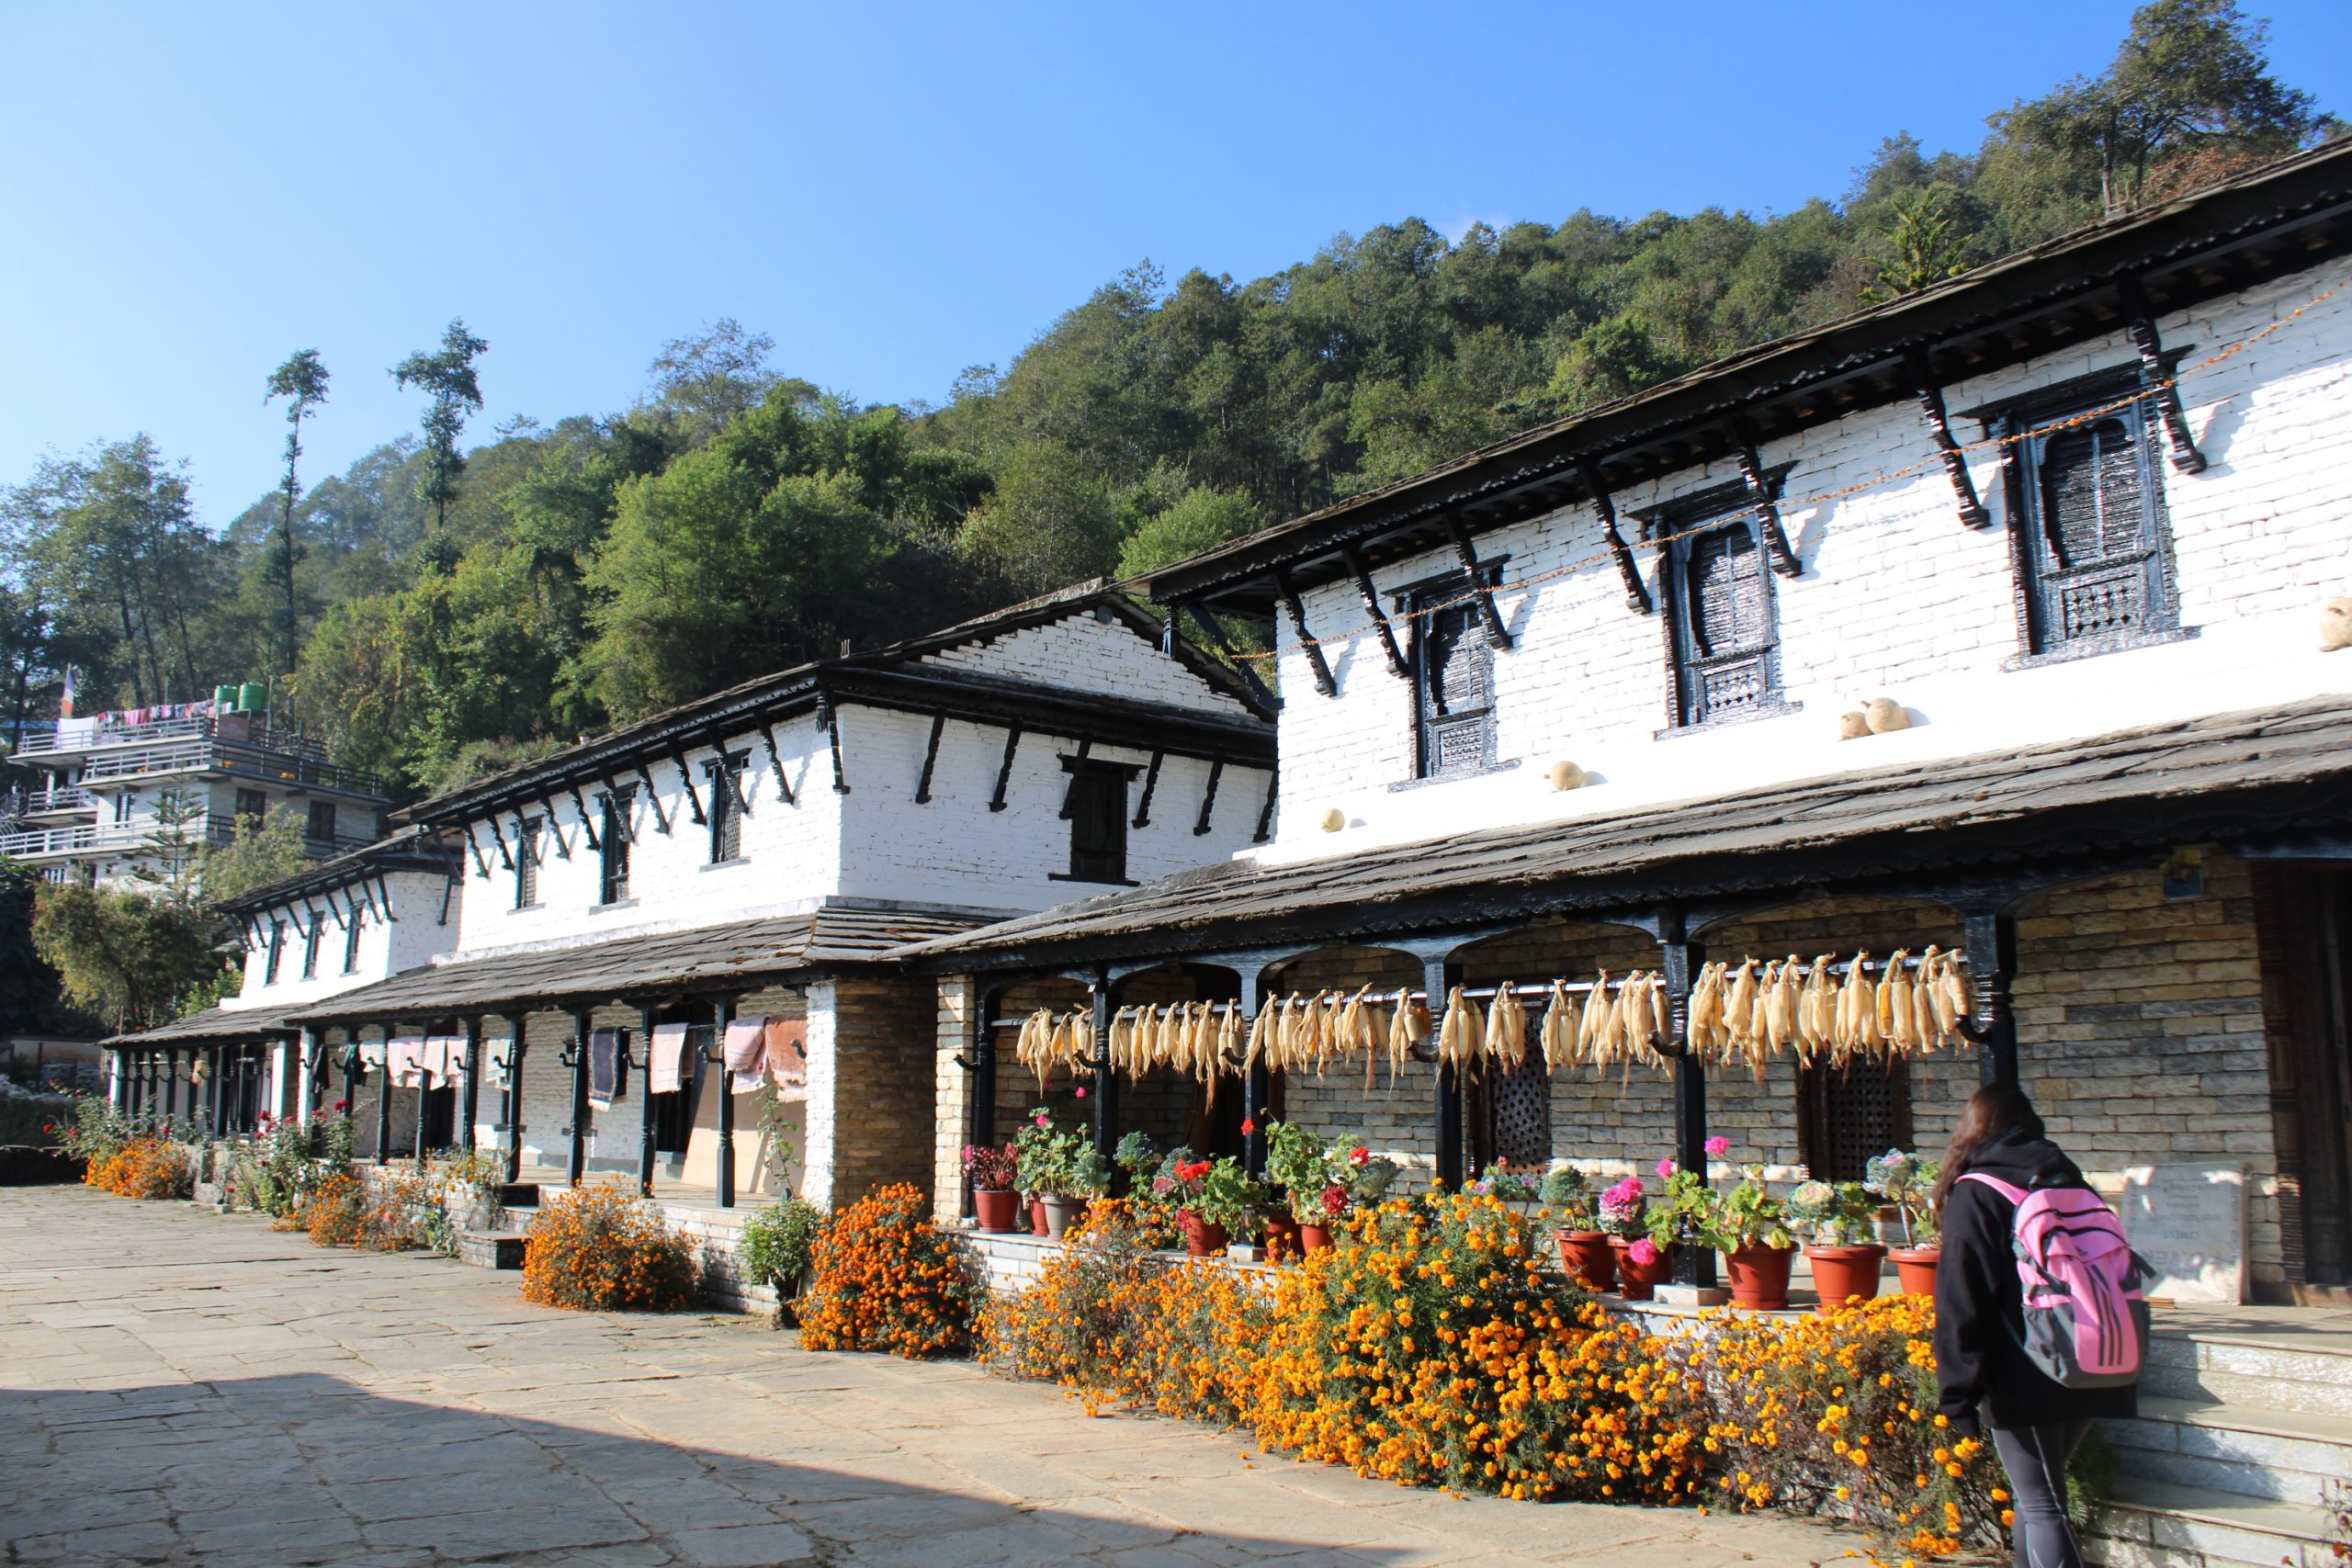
(1897, 598)
(1084, 654)
(416, 934)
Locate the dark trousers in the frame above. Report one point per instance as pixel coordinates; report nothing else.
(2036, 1458)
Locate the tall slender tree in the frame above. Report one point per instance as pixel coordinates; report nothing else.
(302, 382)
(448, 378)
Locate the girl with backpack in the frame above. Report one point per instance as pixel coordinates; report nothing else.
(2039, 1322)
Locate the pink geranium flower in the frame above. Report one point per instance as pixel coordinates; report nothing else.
(1665, 1170)
(1717, 1147)
(1642, 1252)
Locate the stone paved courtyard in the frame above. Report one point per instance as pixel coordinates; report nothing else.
(182, 1387)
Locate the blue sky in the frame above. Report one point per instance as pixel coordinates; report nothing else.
(893, 192)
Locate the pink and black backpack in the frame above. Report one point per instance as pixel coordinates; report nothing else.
(2085, 1321)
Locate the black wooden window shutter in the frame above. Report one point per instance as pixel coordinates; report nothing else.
(1098, 820)
(1726, 663)
(1453, 687)
(2092, 535)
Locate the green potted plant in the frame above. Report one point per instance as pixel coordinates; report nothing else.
(1355, 1178)
(1907, 1181)
(1585, 1252)
(1038, 1152)
(1642, 1264)
(1749, 1225)
(1837, 1221)
(1214, 1199)
(1077, 1176)
(994, 1173)
(1295, 1162)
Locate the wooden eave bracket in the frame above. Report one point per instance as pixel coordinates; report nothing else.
(1931, 408)
(830, 712)
(930, 759)
(1266, 812)
(1070, 790)
(2141, 325)
(1637, 592)
(1308, 644)
(730, 776)
(555, 830)
(587, 820)
(498, 842)
(481, 863)
(1759, 495)
(1208, 797)
(1397, 665)
(1004, 769)
(686, 777)
(653, 799)
(775, 761)
(622, 815)
(1217, 638)
(390, 919)
(1150, 785)
(1482, 594)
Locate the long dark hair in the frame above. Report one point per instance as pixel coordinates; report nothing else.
(1994, 1112)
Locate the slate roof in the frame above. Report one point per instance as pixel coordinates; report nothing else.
(406, 848)
(213, 1026)
(2283, 770)
(705, 958)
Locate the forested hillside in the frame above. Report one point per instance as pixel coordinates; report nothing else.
(448, 608)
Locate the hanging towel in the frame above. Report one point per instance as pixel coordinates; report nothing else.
(404, 1057)
(746, 1045)
(665, 1074)
(445, 1054)
(371, 1053)
(604, 1067)
(494, 1055)
(786, 1056)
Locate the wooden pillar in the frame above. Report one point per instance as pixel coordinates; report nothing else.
(1678, 959)
(576, 1160)
(469, 1097)
(980, 1116)
(423, 1088)
(645, 1099)
(306, 1094)
(512, 1126)
(722, 1013)
(1992, 946)
(1106, 1082)
(172, 1086)
(384, 1102)
(351, 1072)
(1438, 978)
(1256, 1084)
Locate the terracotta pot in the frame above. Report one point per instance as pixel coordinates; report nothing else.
(1842, 1273)
(998, 1209)
(1638, 1281)
(1036, 1215)
(1202, 1239)
(1282, 1235)
(1759, 1277)
(1589, 1259)
(1915, 1267)
(1313, 1237)
(1059, 1212)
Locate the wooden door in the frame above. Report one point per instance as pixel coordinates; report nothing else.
(2303, 914)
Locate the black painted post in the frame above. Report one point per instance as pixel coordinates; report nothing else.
(1991, 939)
(171, 1085)
(469, 1097)
(423, 1088)
(576, 1164)
(1106, 1082)
(722, 1013)
(645, 1098)
(1438, 978)
(513, 1117)
(1678, 957)
(1256, 1084)
(384, 1103)
(351, 1072)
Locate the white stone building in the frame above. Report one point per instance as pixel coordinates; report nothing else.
(754, 853)
(1575, 702)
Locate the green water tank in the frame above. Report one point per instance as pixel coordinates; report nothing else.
(253, 697)
(224, 698)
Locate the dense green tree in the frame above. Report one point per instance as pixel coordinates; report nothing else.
(448, 378)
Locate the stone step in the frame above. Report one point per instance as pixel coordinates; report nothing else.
(2281, 1455)
(490, 1250)
(2150, 1524)
(2282, 1372)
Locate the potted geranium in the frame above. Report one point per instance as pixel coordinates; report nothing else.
(1355, 1178)
(1585, 1251)
(1036, 1153)
(1642, 1264)
(992, 1172)
(1078, 1178)
(1213, 1199)
(1508, 1185)
(1295, 1162)
(1835, 1219)
(1749, 1226)
(1908, 1182)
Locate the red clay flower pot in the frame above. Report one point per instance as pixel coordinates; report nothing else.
(1036, 1216)
(1841, 1273)
(1313, 1237)
(1589, 1259)
(1638, 1281)
(1202, 1239)
(1915, 1267)
(998, 1209)
(1282, 1235)
(1759, 1277)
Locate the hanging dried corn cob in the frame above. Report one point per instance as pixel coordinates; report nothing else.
(1599, 1008)
(1459, 1037)
(1558, 1030)
(1816, 1010)
(1703, 1033)
(1408, 1026)
(1506, 1029)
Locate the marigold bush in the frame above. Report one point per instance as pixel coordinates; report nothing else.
(886, 1279)
(336, 1213)
(143, 1168)
(601, 1249)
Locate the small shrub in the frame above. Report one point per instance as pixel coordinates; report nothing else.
(887, 1280)
(144, 1167)
(336, 1213)
(779, 1242)
(601, 1250)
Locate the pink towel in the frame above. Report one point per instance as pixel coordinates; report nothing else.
(786, 1055)
(746, 1045)
(445, 1058)
(666, 1074)
(404, 1059)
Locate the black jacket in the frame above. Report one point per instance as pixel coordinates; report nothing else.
(1980, 1307)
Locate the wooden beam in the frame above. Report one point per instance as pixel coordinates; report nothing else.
(1004, 769)
(776, 761)
(1760, 495)
(386, 892)
(693, 796)
(831, 711)
(930, 759)
(1150, 783)
(474, 844)
(1637, 592)
(563, 849)
(1313, 650)
(2140, 326)
(587, 820)
(1931, 408)
(653, 799)
(498, 842)
(1217, 639)
(1208, 798)
(1498, 635)
(1397, 665)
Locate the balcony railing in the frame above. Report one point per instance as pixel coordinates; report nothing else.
(84, 839)
(248, 748)
(20, 803)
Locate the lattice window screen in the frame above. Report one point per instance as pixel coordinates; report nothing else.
(1455, 690)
